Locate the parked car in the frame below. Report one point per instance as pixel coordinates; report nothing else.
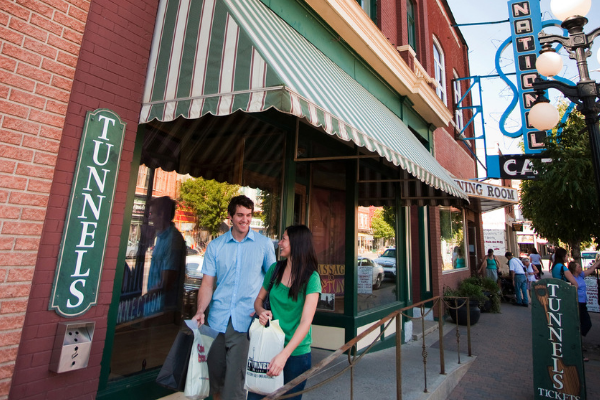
(378, 272)
(588, 258)
(193, 263)
(132, 248)
(388, 262)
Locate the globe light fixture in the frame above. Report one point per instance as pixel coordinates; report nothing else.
(586, 92)
(549, 63)
(563, 9)
(543, 116)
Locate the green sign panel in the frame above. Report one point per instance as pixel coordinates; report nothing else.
(81, 254)
(557, 358)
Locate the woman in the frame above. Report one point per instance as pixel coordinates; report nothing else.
(579, 275)
(532, 273)
(491, 264)
(294, 297)
(559, 270)
(536, 260)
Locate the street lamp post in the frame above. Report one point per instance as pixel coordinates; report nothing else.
(586, 92)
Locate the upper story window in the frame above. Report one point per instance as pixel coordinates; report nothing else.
(440, 70)
(458, 113)
(370, 7)
(410, 23)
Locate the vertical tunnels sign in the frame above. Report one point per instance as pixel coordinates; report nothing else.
(83, 245)
(557, 358)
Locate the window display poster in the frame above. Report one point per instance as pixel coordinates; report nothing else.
(494, 239)
(365, 279)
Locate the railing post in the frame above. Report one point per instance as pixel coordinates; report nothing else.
(441, 333)
(469, 327)
(424, 351)
(399, 356)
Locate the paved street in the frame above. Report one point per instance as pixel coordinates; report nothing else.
(503, 368)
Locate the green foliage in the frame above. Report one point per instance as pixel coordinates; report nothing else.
(488, 286)
(270, 212)
(562, 202)
(209, 200)
(381, 229)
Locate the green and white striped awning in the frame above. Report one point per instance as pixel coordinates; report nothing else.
(221, 56)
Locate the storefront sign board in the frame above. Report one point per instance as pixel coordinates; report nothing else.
(556, 342)
(83, 245)
(494, 239)
(592, 294)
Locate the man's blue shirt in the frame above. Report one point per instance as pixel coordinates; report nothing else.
(239, 268)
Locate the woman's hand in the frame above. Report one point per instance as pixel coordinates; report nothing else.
(277, 364)
(264, 317)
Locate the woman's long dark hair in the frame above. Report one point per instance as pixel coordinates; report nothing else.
(560, 256)
(303, 256)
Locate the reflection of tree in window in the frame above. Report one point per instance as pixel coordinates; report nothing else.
(209, 200)
(382, 229)
(451, 225)
(270, 212)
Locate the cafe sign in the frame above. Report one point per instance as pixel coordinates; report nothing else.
(83, 245)
(557, 357)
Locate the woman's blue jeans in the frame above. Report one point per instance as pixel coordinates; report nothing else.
(294, 367)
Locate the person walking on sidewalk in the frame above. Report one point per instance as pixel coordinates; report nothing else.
(579, 275)
(490, 264)
(532, 274)
(236, 262)
(519, 279)
(536, 260)
(559, 269)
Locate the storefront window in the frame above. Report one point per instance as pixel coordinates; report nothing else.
(453, 245)
(376, 263)
(327, 222)
(191, 170)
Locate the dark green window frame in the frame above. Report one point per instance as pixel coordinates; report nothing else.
(410, 21)
(372, 9)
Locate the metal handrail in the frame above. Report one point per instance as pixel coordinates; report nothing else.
(353, 359)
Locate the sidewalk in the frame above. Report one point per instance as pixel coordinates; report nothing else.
(500, 369)
(503, 368)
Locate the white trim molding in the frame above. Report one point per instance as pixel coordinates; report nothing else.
(353, 25)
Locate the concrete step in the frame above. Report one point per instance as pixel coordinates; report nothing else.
(430, 326)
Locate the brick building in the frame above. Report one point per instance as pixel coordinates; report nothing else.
(60, 59)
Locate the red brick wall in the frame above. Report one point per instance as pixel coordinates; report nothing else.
(110, 73)
(39, 45)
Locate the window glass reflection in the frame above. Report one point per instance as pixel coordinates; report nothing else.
(452, 238)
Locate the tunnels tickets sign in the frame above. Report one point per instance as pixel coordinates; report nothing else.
(83, 245)
(557, 358)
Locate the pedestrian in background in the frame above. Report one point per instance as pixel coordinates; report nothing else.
(532, 273)
(293, 297)
(519, 279)
(536, 260)
(490, 264)
(559, 269)
(579, 275)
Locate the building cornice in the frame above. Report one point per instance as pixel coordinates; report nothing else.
(356, 28)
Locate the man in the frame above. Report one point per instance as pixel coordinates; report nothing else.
(168, 257)
(237, 262)
(519, 279)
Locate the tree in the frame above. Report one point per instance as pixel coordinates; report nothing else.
(381, 229)
(209, 200)
(561, 202)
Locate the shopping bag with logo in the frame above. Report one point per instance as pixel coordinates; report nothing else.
(265, 343)
(197, 385)
(174, 370)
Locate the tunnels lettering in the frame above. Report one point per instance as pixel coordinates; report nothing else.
(88, 216)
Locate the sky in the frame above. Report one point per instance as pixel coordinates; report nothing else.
(483, 42)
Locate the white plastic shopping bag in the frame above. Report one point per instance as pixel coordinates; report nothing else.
(265, 343)
(197, 385)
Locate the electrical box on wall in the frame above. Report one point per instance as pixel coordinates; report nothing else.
(72, 346)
